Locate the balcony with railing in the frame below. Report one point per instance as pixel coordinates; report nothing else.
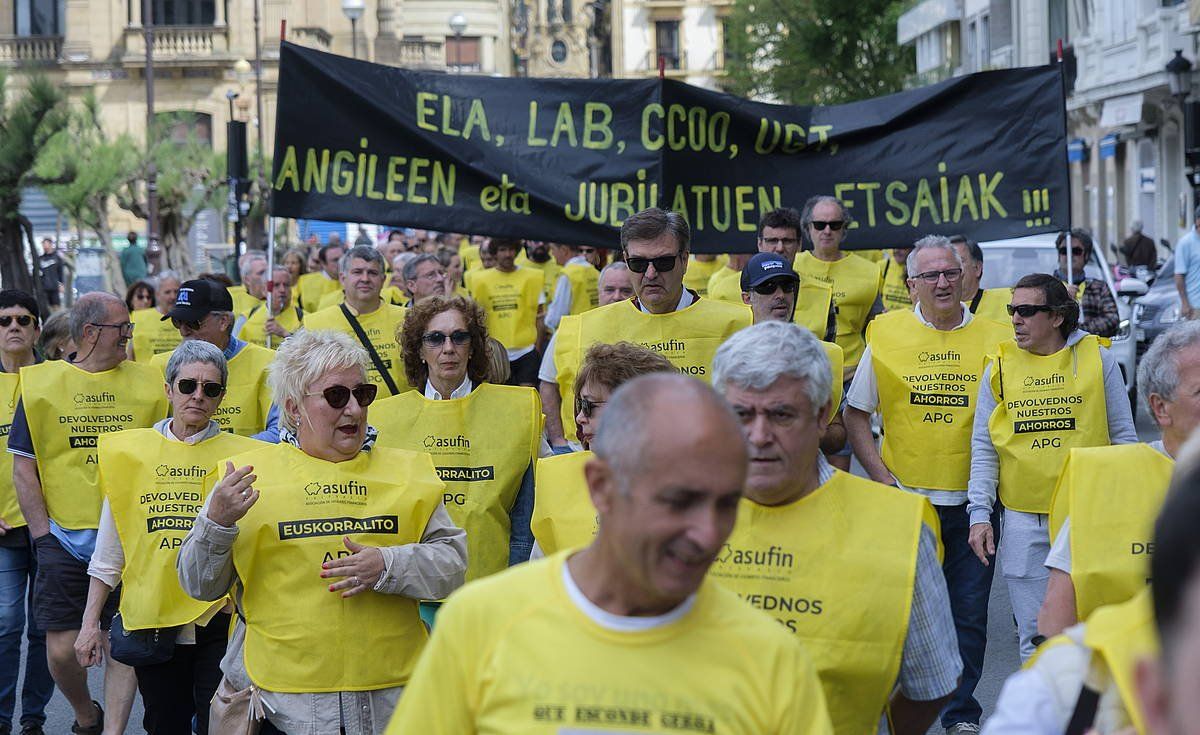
(179, 44)
(30, 50)
(674, 64)
(422, 54)
(311, 36)
(937, 74)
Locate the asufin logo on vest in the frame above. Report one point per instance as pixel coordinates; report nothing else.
(772, 557)
(336, 488)
(195, 472)
(1032, 381)
(104, 398)
(433, 441)
(936, 357)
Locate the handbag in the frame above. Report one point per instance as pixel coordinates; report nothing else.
(141, 647)
(235, 712)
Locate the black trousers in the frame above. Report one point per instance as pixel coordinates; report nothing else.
(175, 691)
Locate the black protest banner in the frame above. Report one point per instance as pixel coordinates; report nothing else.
(568, 160)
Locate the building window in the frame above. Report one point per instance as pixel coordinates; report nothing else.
(38, 17)
(971, 62)
(462, 54)
(180, 127)
(565, 9)
(185, 12)
(985, 42)
(666, 43)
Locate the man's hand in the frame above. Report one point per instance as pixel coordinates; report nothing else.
(982, 541)
(5, 527)
(360, 571)
(272, 327)
(232, 496)
(91, 645)
(1186, 311)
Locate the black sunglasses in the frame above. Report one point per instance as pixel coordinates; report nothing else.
(665, 264)
(787, 285)
(1074, 251)
(586, 407)
(192, 324)
(434, 340)
(187, 386)
(834, 225)
(337, 396)
(1027, 310)
(24, 320)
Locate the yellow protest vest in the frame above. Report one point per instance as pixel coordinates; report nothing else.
(687, 338)
(1046, 405)
(312, 287)
(1121, 635)
(300, 637)
(1112, 496)
(699, 272)
(390, 294)
(254, 330)
(243, 301)
(471, 259)
(155, 488)
(482, 444)
(836, 568)
(151, 335)
(856, 283)
(380, 327)
(992, 303)
(928, 383)
(550, 271)
(894, 291)
(247, 399)
(585, 287)
(68, 410)
(510, 301)
(812, 308)
(726, 285)
(10, 391)
(834, 353)
(563, 514)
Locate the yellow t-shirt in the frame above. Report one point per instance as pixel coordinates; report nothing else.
(725, 284)
(699, 272)
(514, 654)
(152, 335)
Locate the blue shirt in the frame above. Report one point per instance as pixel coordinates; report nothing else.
(1187, 264)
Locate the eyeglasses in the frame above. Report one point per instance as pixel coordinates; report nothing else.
(24, 320)
(586, 407)
(126, 328)
(834, 225)
(187, 386)
(1027, 310)
(665, 264)
(337, 396)
(951, 274)
(192, 324)
(434, 340)
(786, 240)
(787, 285)
(1074, 251)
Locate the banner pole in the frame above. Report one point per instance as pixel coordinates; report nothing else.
(1062, 76)
(270, 268)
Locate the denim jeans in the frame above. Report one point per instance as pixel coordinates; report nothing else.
(969, 583)
(17, 568)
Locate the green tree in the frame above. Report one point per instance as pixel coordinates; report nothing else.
(821, 52)
(33, 116)
(92, 169)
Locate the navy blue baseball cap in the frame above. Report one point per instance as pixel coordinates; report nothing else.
(197, 299)
(764, 267)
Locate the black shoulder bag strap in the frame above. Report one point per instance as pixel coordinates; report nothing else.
(975, 301)
(370, 348)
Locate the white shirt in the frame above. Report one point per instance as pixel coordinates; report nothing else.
(560, 305)
(621, 623)
(464, 389)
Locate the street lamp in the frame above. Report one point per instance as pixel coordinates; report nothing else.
(353, 9)
(458, 26)
(1179, 82)
(1179, 76)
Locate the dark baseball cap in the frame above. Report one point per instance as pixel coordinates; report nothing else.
(197, 299)
(764, 267)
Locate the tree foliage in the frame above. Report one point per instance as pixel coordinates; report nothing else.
(819, 52)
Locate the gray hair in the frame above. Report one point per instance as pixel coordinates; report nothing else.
(401, 260)
(616, 265)
(410, 266)
(757, 356)
(806, 216)
(1158, 370)
(191, 351)
(306, 356)
(361, 252)
(931, 242)
(166, 275)
(247, 260)
(650, 224)
(91, 308)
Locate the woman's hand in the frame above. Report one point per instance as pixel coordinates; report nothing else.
(360, 571)
(232, 496)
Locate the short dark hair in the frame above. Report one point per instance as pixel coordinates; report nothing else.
(1079, 234)
(1176, 555)
(782, 218)
(321, 254)
(973, 248)
(650, 224)
(10, 297)
(132, 237)
(512, 243)
(1056, 297)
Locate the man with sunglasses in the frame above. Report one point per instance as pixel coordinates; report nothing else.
(19, 331)
(1098, 309)
(65, 406)
(779, 233)
(920, 371)
(663, 315)
(204, 310)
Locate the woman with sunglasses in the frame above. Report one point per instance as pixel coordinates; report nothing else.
(139, 296)
(1052, 388)
(563, 516)
(153, 485)
(326, 543)
(1098, 308)
(484, 438)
